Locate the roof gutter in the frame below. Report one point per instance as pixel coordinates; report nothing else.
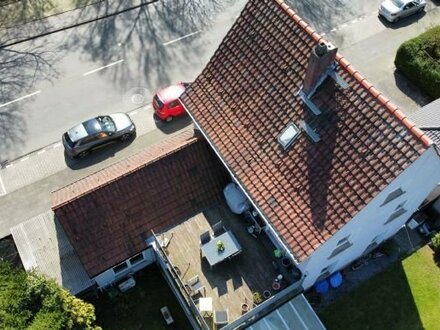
(260, 212)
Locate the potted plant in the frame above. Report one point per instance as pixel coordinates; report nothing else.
(257, 297)
(220, 246)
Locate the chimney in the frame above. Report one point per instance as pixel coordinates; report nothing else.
(321, 58)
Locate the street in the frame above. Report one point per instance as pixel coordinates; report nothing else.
(117, 63)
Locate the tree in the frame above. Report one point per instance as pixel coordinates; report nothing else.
(31, 301)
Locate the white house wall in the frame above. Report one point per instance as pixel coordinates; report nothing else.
(417, 181)
(109, 276)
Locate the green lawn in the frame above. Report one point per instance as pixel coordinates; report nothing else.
(140, 307)
(406, 296)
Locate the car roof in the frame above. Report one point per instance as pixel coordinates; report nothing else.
(171, 93)
(86, 128)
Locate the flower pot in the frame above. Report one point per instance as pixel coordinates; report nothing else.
(244, 308)
(286, 262)
(267, 294)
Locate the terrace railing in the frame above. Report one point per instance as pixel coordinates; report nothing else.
(176, 282)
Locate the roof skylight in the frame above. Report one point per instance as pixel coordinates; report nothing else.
(288, 135)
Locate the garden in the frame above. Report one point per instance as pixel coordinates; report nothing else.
(139, 308)
(405, 296)
(418, 59)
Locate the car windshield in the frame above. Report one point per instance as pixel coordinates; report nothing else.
(107, 124)
(398, 3)
(157, 102)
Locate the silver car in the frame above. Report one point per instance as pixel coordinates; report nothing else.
(93, 133)
(394, 10)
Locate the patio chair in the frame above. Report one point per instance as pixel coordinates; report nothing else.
(205, 238)
(195, 285)
(218, 229)
(221, 318)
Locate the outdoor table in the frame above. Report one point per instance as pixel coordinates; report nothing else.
(231, 248)
(205, 306)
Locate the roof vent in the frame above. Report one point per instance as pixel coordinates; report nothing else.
(321, 58)
(288, 135)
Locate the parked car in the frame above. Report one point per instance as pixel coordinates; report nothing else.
(93, 133)
(394, 10)
(166, 102)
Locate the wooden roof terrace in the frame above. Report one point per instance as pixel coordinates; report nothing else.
(232, 282)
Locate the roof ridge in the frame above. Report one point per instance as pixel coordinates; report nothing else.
(166, 147)
(383, 100)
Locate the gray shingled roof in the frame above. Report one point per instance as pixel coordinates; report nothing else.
(428, 116)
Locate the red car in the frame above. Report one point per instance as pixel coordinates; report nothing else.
(166, 102)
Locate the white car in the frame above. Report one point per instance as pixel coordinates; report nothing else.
(393, 10)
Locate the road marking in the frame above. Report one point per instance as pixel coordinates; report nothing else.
(3, 190)
(102, 68)
(56, 145)
(41, 151)
(20, 98)
(178, 39)
(25, 158)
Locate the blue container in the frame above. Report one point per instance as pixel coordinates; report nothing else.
(335, 279)
(321, 286)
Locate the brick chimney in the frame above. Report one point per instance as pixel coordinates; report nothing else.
(322, 56)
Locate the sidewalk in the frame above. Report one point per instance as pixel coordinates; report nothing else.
(54, 18)
(26, 183)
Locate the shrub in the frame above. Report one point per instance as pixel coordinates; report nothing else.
(31, 301)
(435, 242)
(419, 60)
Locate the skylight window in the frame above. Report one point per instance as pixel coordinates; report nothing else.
(288, 135)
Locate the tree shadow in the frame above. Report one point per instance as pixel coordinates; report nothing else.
(140, 36)
(328, 15)
(20, 69)
(411, 90)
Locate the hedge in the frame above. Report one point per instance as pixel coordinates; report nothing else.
(419, 60)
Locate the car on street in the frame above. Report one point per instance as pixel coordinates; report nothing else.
(96, 132)
(394, 10)
(166, 102)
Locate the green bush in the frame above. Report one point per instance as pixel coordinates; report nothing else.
(435, 242)
(419, 60)
(31, 301)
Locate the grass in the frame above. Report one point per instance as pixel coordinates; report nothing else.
(406, 296)
(140, 307)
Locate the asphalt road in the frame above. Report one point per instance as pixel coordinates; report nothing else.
(114, 64)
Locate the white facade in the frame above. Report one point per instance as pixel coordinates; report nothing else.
(378, 220)
(131, 265)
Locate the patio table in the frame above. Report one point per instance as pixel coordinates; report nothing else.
(231, 248)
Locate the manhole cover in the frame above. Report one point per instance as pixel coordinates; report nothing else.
(136, 96)
(137, 99)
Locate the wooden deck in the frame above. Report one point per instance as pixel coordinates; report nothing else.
(233, 281)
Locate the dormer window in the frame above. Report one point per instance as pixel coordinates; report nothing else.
(288, 135)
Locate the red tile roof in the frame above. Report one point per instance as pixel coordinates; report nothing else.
(248, 93)
(108, 215)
